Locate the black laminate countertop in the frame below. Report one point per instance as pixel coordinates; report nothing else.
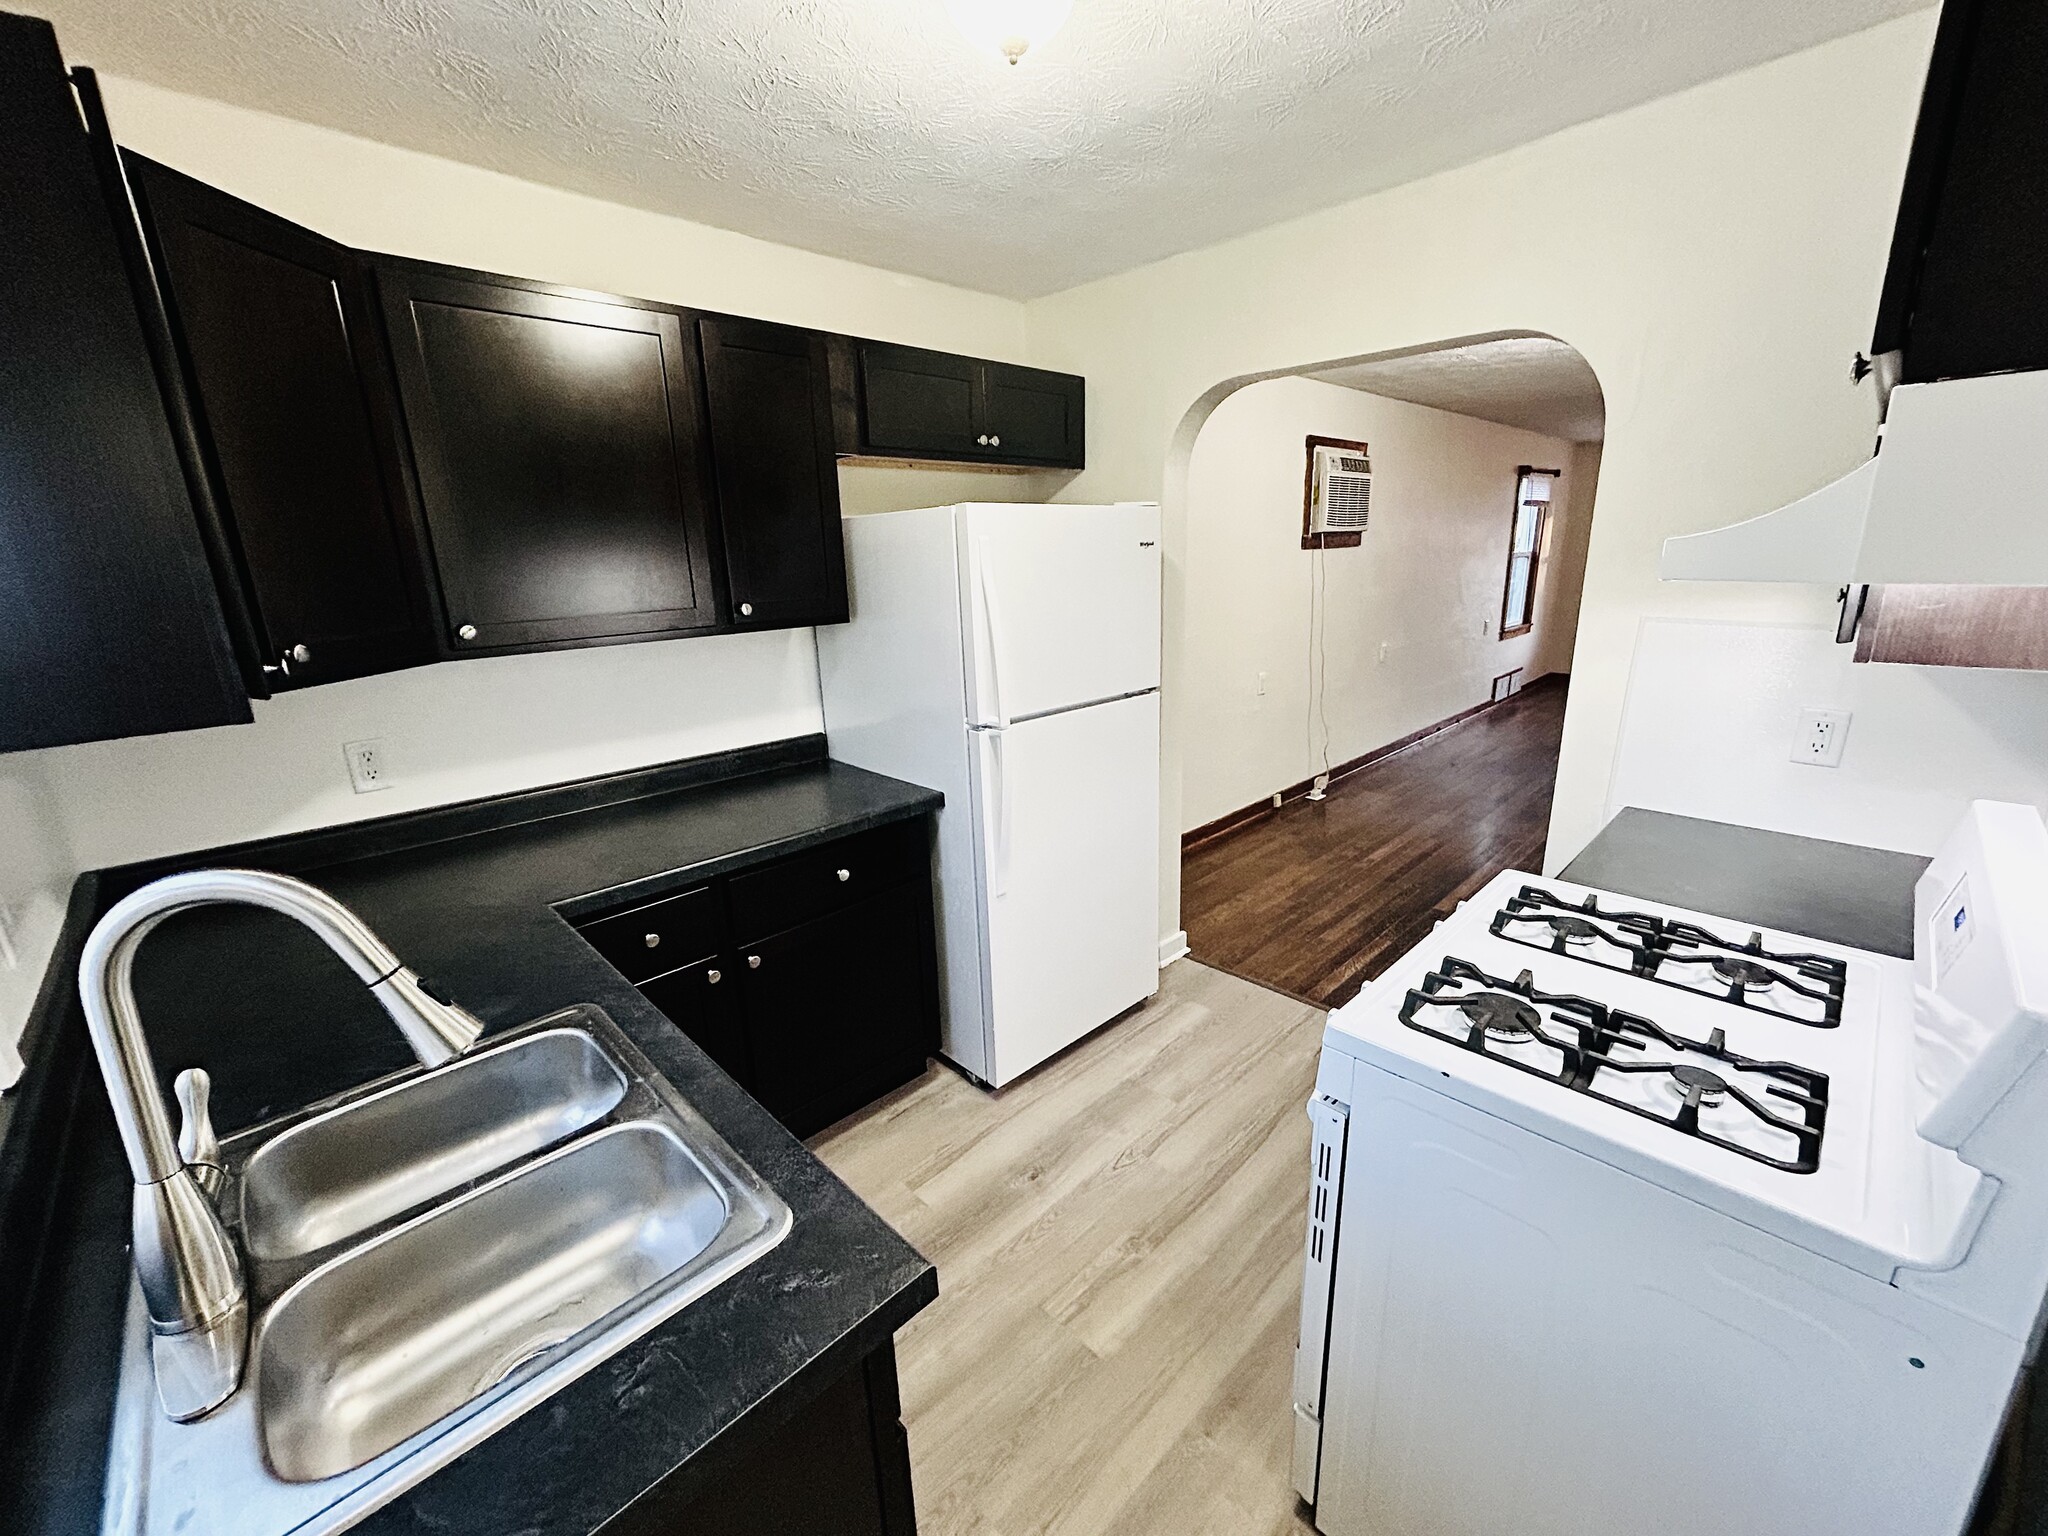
(475, 897)
(1838, 892)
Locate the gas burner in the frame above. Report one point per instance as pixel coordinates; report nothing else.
(1770, 1111)
(1807, 989)
(1503, 1017)
(1697, 1085)
(1575, 931)
(1750, 975)
(1511, 1021)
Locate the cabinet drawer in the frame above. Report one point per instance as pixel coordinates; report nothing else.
(798, 889)
(660, 936)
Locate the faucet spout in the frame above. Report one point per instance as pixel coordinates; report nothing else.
(190, 1273)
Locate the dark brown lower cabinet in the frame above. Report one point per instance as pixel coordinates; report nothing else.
(840, 1467)
(835, 1009)
(704, 1000)
(812, 980)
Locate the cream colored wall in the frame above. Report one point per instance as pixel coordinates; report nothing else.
(1565, 555)
(1715, 255)
(485, 726)
(1424, 585)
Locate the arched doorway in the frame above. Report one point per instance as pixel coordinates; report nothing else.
(1368, 717)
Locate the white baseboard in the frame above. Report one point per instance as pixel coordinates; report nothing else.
(1173, 947)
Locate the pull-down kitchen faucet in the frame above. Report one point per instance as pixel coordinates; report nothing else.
(190, 1273)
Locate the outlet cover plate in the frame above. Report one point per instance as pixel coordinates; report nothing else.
(1820, 738)
(367, 768)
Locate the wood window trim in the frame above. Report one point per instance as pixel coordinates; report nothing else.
(1308, 496)
(1507, 584)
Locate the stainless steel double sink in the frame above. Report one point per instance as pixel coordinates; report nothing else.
(427, 1258)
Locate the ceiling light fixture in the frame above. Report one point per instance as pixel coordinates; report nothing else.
(1010, 27)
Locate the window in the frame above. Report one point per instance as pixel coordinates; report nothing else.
(1525, 547)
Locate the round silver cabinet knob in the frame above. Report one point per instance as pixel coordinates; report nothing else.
(995, 442)
(983, 439)
(301, 654)
(753, 962)
(845, 874)
(714, 977)
(467, 632)
(653, 941)
(746, 610)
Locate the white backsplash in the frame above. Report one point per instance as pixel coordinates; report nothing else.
(1712, 709)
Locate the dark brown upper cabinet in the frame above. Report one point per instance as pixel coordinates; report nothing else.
(907, 402)
(769, 396)
(1033, 416)
(289, 387)
(109, 622)
(559, 444)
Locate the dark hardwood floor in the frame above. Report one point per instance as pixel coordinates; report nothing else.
(1317, 899)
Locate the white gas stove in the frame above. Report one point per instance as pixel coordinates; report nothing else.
(1629, 1218)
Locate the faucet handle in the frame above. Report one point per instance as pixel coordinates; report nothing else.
(197, 1143)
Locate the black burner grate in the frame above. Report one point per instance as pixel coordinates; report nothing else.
(1460, 1004)
(1663, 949)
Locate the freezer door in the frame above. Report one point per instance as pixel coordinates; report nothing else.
(1067, 810)
(1063, 606)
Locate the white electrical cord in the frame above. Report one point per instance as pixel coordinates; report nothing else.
(1318, 673)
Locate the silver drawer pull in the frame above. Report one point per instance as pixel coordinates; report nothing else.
(653, 941)
(714, 977)
(753, 962)
(845, 874)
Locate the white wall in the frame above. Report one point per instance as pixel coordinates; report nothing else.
(1557, 631)
(1715, 255)
(1712, 712)
(1425, 583)
(486, 726)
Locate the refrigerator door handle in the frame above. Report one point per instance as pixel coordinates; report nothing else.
(992, 625)
(999, 792)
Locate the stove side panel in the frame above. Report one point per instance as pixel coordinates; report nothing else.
(1527, 1339)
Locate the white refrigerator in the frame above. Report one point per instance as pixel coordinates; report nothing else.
(1008, 655)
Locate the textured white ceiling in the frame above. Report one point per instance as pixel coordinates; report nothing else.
(871, 129)
(1531, 382)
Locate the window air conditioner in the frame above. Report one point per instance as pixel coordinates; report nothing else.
(1343, 492)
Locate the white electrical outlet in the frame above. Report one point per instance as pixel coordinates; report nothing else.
(1820, 737)
(366, 768)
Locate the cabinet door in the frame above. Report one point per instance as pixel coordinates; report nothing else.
(769, 399)
(559, 446)
(919, 402)
(839, 1009)
(1032, 416)
(702, 1001)
(109, 621)
(287, 372)
(840, 1466)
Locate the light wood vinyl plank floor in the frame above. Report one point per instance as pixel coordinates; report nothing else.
(1118, 1239)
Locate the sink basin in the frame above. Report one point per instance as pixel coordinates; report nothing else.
(374, 1346)
(345, 1171)
(427, 1259)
